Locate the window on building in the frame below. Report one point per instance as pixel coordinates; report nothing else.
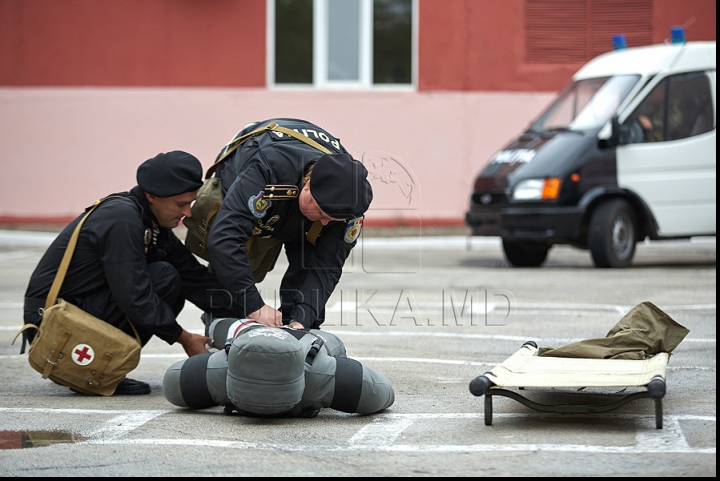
(341, 43)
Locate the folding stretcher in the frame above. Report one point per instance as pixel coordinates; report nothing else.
(525, 369)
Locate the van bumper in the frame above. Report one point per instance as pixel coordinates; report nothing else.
(557, 225)
(484, 222)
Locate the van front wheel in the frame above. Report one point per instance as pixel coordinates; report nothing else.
(612, 234)
(526, 254)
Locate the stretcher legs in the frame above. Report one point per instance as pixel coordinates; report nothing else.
(482, 385)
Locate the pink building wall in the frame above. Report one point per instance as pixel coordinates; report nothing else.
(62, 148)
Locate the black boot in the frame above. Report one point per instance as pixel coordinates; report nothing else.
(131, 386)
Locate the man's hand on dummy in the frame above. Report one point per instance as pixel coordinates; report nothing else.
(267, 316)
(194, 343)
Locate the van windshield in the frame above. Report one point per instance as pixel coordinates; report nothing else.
(586, 104)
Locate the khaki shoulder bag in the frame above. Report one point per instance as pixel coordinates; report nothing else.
(210, 195)
(75, 349)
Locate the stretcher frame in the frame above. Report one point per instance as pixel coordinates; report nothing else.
(525, 369)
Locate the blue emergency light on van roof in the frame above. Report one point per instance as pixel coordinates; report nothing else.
(619, 42)
(677, 35)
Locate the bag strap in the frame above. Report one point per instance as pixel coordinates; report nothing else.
(233, 145)
(272, 126)
(65, 262)
(317, 226)
(67, 257)
(299, 137)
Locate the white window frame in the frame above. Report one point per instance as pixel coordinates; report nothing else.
(320, 52)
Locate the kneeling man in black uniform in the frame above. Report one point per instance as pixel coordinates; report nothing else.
(128, 263)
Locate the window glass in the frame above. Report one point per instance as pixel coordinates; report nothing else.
(343, 40)
(690, 109)
(294, 41)
(342, 43)
(678, 107)
(392, 41)
(602, 104)
(647, 123)
(586, 103)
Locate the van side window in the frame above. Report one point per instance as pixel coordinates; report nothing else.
(691, 108)
(678, 107)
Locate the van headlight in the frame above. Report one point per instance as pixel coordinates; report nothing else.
(537, 189)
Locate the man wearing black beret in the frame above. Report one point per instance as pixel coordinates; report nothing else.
(283, 191)
(128, 263)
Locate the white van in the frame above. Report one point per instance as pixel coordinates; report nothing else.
(625, 152)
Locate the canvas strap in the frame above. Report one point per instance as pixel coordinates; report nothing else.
(317, 226)
(272, 126)
(67, 257)
(51, 361)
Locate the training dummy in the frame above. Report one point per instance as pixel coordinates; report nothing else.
(277, 372)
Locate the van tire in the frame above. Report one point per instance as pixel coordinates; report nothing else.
(526, 254)
(613, 234)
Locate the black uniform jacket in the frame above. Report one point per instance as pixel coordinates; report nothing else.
(269, 159)
(112, 252)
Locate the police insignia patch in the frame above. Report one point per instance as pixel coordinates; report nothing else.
(258, 204)
(352, 230)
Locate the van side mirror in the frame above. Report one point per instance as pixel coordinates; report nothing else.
(619, 134)
(614, 132)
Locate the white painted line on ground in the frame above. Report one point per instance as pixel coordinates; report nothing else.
(12, 238)
(82, 411)
(489, 337)
(421, 360)
(11, 305)
(381, 432)
(383, 305)
(668, 439)
(123, 424)
(413, 360)
(456, 335)
(8, 256)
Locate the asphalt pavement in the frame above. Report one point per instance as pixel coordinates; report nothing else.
(431, 313)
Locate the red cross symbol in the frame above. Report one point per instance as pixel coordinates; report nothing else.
(82, 355)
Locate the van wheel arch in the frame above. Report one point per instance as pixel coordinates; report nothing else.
(646, 225)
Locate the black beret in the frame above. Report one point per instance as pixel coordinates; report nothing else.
(339, 185)
(170, 174)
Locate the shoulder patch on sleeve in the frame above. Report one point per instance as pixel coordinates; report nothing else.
(259, 205)
(352, 229)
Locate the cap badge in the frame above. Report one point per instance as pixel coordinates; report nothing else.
(352, 230)
(259, 204)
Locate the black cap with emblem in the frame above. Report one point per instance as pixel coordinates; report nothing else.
(339, 185)
(170, 174)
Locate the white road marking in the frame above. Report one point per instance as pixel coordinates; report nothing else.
(456, 335)
(489, 337)
(670, 438)
(11, 305)
(123, 424)
(429, 307)
(416, 360)
(8, 256)
(421, 360)
(381, 434)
